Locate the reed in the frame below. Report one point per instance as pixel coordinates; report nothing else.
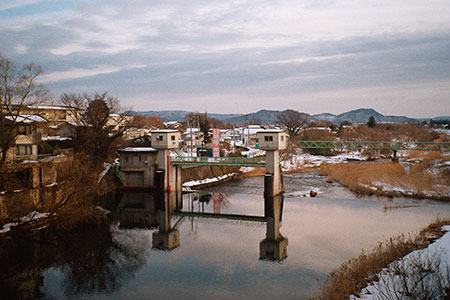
(357, 273)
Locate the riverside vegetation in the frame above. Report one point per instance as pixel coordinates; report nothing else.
(359, 272)
(426, 176)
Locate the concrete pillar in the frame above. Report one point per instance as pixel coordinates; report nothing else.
(170, 178)
(159, 180)
(178, 182)
(273, 182)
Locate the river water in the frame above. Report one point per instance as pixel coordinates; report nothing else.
(227, 242)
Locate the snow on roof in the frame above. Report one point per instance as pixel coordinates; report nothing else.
(165, 131)
(270, 131)
(193, 130)
(55, 138)
(73, 123)
(138, 149)
(51, 107)
(26, 118)
(251, 130)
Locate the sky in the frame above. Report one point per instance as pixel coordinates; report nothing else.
(240, 56)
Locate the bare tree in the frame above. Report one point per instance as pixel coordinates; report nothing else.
(293, 121)
(18, 90)
(101, 121)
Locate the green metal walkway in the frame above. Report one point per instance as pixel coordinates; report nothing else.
(259, 161)
(375, 145)
(187, 161)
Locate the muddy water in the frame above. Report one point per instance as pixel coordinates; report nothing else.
(212, 246)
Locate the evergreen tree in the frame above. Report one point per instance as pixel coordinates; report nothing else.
(371, 123)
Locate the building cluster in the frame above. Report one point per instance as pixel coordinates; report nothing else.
(36, 124)
(193, 141)
(41, 125)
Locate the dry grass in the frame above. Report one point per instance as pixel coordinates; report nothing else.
(358, 272)
(255, 172)
(422, 180)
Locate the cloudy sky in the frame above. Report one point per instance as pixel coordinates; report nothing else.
(240, 56)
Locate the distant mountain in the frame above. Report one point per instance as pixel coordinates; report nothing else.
(441, 118)
(325, 117)
(263, 117)
(361, 115)
(178, 115)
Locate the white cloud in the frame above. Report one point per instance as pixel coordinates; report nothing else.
(9, 4)
(77, 73)
(251, 49)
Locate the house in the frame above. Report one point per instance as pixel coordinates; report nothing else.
(29, 129)
(118, 121)
(134, 133)
(248, 135)
(54, 114)
(228, 135)
(192, 138)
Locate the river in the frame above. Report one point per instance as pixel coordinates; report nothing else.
(226, 243)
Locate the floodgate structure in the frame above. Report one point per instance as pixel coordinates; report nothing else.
(159, 167)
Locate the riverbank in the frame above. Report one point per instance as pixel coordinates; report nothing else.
(426, 177)
(64, 200)
(366, 275)
(418, 175)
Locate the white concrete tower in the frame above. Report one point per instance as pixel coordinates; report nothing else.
(164, 140)
(272, 141)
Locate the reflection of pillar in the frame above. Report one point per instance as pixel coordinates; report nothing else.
(394, 156)
(274, 246)
(166, 237)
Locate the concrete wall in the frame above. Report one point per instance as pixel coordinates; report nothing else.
(136, 165)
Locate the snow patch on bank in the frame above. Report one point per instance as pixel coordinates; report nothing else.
(441, 191)
(436, 255)
(207, 180)
(34, 215)
(304, 160)
(246, 169)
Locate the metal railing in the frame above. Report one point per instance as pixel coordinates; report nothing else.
(375, 145)
(259, 161)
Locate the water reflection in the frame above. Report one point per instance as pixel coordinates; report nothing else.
(152, 210)
(274, 246)
(220, 251)
(88, 260)
(149, 210)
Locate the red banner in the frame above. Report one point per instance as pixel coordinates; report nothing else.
(216, 142)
